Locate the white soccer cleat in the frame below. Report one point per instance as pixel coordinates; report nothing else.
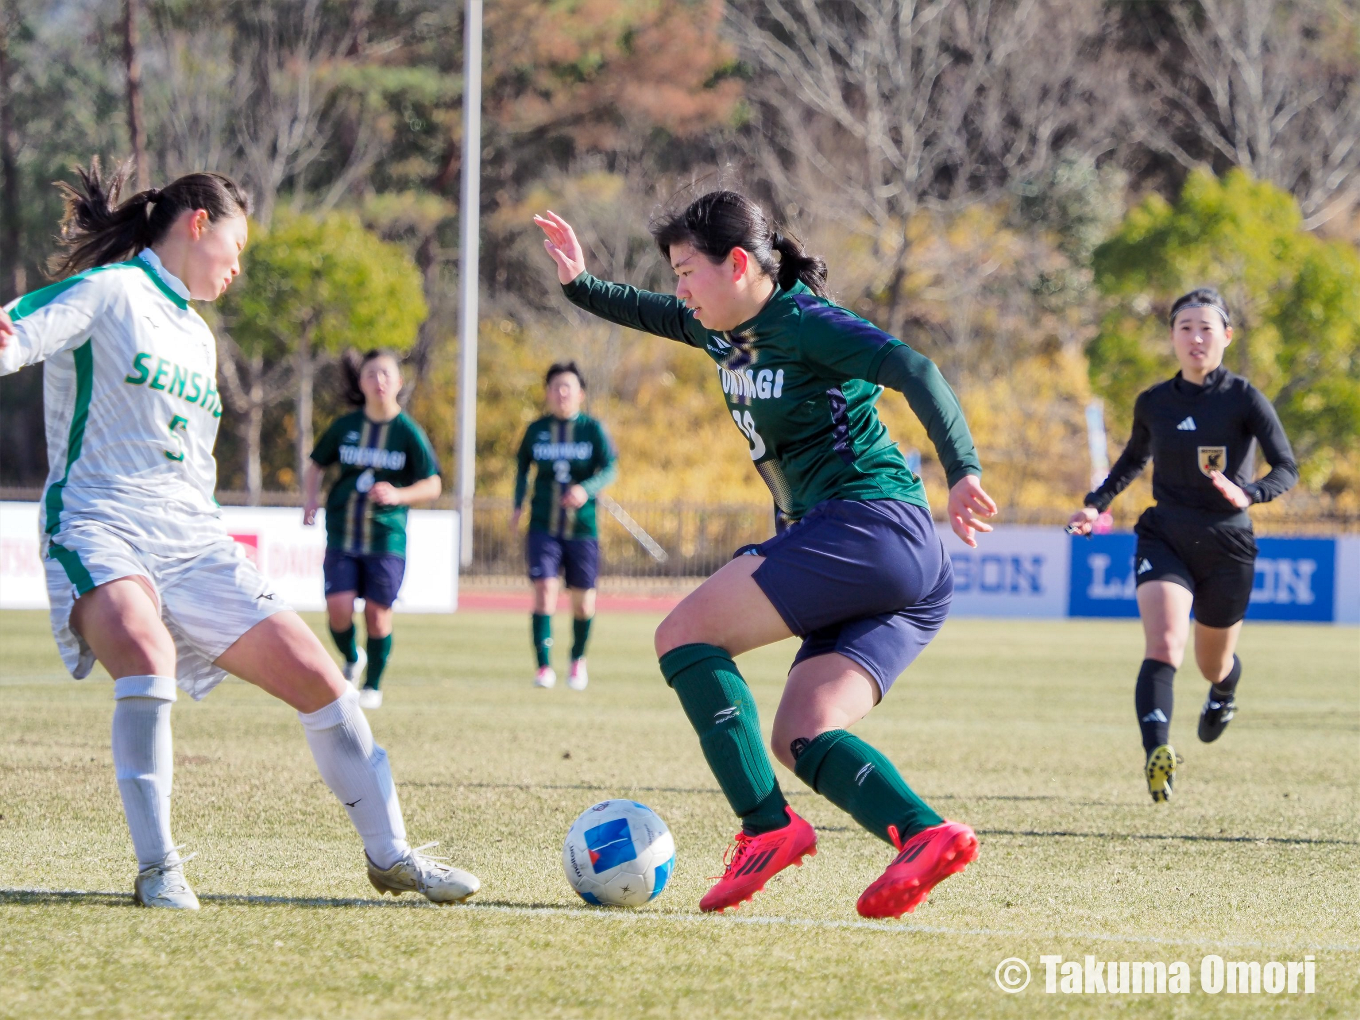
(546, 677)
(416, 872)
(163, 885)
(578, 678)
(370, 698)
(354, 671)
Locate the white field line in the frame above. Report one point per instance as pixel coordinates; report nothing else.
(637, 917)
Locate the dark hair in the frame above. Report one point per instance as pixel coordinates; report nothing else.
(352, 366)
(719, 221)
(559, 367)
(96, 230)
(1201, 297)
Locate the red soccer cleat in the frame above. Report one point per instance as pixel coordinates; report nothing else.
(922, 862)
(754, 860)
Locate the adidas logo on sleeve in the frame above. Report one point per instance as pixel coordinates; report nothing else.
(1188, 425)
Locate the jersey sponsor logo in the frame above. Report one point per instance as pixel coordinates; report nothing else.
(1187, 425)
(372, 457)
(351, 437)
(193, 387)
(748, 384)
(563, 451)
(1213, 458)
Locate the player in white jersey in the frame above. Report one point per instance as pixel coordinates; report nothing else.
(141, 573)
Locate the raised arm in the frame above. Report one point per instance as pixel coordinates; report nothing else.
(47, 322)
(644, 310)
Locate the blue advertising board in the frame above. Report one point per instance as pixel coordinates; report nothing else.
(1295, 578)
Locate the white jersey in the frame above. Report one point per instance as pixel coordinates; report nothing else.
(130, 398)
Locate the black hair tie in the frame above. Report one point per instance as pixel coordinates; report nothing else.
(152, 195)
(776, 239)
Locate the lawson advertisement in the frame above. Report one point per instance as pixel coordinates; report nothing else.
(1043, 572)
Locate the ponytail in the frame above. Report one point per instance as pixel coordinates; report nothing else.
(96, 230)
(796, 264)
(715, 223)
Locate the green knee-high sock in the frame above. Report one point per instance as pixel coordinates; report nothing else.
(344, 640)
(379, 648)
(723, 713)
(580, 634)
(542, 639)
(860, 781)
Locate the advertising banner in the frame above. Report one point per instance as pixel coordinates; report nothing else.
(1295, 578)
(1018, 572)
(288, 553)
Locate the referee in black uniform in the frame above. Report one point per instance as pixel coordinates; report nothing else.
(1195, 548)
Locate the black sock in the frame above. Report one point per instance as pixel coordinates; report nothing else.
(1225, 687)
(1153, 698)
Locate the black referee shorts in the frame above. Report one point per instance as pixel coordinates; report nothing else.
(1215, 562)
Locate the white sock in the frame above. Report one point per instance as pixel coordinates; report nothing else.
(143, 761)
(357, 772)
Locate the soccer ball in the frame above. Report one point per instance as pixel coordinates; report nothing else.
(619, 853)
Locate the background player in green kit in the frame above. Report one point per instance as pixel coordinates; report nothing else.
(386, 464)
(573, 460)
(860, 573)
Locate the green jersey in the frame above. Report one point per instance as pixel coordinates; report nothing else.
(564, 452)
(397, 452)
(801, 380)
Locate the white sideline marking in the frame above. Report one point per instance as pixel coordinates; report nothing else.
(605, 914)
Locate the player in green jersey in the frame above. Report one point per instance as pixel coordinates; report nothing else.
(386, 464)
(573, 460)
(858, 571)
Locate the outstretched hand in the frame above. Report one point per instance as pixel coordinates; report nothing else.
(1231, 491)
(967, 501)
(562, 245)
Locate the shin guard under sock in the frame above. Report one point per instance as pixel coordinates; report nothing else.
(862, 782)
(542, 629)
(379, 648)
(357, 772)
(344, 640)
(721, 710)
(1153, 698)
(1225, 687)
(580, 634)
(143, 762)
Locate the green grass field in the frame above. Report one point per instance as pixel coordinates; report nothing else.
(1024, 730)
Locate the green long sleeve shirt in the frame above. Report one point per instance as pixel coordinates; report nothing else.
(801, 379)
(564, 452)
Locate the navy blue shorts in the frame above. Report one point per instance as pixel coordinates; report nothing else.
(373, 577)
(547, 555)
(866, 578)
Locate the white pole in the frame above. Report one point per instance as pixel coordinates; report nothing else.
(469, 216)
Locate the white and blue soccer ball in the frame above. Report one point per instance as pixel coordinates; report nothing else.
(619, 853)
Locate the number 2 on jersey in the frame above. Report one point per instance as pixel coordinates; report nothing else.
(748, 426)
(178, 424)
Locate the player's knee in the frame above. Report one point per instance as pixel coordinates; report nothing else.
(1166, 648)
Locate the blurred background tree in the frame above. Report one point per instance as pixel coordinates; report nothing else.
(1015, 187)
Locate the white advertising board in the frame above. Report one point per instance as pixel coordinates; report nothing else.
(1014, 572)
(288, 553)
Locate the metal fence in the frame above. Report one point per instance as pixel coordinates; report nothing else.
(689, 540)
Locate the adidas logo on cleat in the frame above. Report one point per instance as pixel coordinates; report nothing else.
(1188, 425)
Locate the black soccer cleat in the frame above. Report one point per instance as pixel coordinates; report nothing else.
(1215, 716)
